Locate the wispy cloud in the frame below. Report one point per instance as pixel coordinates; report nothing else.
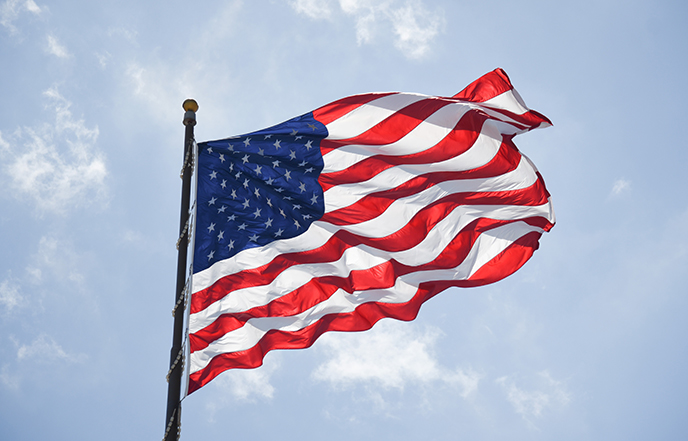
(390, 356)
(56, 165)
(412, 23)
(544, 394)
(10, 295)
(315, 9)
(12, 9)
(249, 384)
(620, 186)
(55, 48)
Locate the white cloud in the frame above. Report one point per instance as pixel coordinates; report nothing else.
(315, 9)
(390, 356)
(415, 28)
(55, 48)
(57, 165)
(621, 186)
(249, 384)
(58, 258)
(11, 9)
(10, 297)
(412, 23)
(45, 349)
(546, 393)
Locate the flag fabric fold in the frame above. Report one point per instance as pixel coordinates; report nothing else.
(362, 209)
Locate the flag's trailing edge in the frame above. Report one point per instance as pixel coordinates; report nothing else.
(362, 209)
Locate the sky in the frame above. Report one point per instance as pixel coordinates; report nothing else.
(586, 342)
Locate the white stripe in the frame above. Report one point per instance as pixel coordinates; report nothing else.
(402, 210)
(424, 136)
(370, 114)
(482, 152)
(510, 101)
(485, 249)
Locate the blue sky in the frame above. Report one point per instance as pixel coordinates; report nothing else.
(586, 341)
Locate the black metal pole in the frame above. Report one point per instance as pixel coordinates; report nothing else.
(176, 354)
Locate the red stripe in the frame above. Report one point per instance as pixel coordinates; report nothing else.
(392, 128)
(320, 289)
(373, 205)
(361, 319)
(458, 141)
(486, 87)
(333, 111)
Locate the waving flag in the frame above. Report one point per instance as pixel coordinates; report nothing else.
(362, 209)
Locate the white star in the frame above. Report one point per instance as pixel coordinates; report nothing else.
(298, 137)
(241, 227)
(287, 175)
(297, 207)
(306, 216)
(244, 159)
(246, 203)
(302, 187)
(210, 256)
(236, 176)
(269, 202)
(210, 150)
(279, 190)
(277, 144)
(256, 213)
(231, 244)
(282, 213)
(231, 218)
(268, 223)
(212, 201)
(221, 235)
(233, 195)
(294, 132)
(292, 154)
(245, 183)
(275, 164)
(269, 181)
(253, 238)
(309, 169)
(301, 164)
(223, 184)
(259, 169)
(279, 232)
(308, 144)
(211, 227)
(312, 126)
(230, 147)
(261, 152)
(314, 199)
(221, 210)
(297, 224)
(213, 175)
(247, 141)
(222, 157)
(231, 166)
(267, 136)
(287, 198)
(257, 192)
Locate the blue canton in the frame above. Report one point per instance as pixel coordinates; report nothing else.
(257, 188)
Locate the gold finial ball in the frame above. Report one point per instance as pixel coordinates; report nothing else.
(190, 105)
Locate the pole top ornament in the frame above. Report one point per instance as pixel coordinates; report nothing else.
(191, 105)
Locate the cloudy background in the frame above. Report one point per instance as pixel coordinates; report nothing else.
(587, 341)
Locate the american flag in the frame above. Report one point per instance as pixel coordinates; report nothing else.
(362, 209)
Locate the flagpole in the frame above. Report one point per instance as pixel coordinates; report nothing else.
(172, 420)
